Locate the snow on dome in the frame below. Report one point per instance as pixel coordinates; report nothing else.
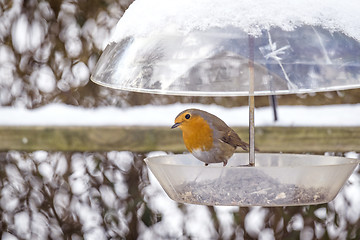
(148, 16)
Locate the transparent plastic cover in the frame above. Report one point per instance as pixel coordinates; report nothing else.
(209, 54)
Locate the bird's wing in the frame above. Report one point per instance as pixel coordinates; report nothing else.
(230, 137)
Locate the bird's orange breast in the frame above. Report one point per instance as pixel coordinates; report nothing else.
(197, 134)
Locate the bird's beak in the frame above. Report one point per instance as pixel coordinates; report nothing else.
(176, 125)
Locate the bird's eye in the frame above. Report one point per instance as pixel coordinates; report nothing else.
(187, 116)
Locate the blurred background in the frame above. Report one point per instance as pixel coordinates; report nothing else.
(47, 52)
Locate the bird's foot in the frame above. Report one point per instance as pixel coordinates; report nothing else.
(225, 162)
(245, 165)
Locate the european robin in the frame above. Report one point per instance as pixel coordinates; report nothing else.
(207, 137)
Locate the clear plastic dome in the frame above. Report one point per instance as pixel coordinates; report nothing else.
(216, 62)
(185, 47)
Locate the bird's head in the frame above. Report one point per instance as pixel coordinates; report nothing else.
(190, 120)
(184, 119)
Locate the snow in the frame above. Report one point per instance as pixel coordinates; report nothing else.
(255, 221)
(149, 115)
(27, 36)
(45, 79)
(144, 17)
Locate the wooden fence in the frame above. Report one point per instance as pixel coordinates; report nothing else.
(145, 139)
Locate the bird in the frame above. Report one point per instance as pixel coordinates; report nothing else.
(207, 137)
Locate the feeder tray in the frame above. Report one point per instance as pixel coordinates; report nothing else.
(232, 49)
(277, 179)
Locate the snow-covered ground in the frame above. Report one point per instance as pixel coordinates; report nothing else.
(150, 115)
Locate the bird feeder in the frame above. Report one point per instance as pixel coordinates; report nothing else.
(239, 48)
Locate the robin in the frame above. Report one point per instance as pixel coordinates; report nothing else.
(207, 137)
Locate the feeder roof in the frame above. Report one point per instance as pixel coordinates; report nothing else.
(201, 48)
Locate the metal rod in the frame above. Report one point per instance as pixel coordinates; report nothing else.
(251, 103)
(273, 103)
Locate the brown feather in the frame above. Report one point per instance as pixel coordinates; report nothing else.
(230, 137)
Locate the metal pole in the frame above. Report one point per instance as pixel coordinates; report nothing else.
(273, 102)
(251, 103)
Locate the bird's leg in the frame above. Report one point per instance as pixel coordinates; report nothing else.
(224, 162)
